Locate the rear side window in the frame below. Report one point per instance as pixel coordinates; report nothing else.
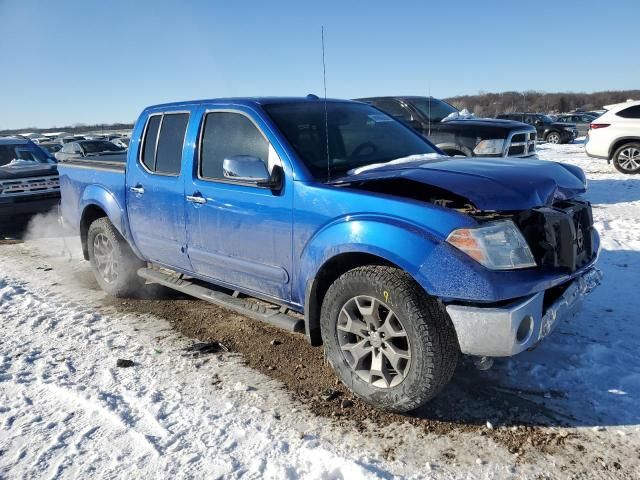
(169, 152)
(631, 112)
(150, 138)
(227, 134)
(163, 142)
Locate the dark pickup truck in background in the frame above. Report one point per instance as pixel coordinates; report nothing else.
(471, 137)
(548, 130)
(29, 180)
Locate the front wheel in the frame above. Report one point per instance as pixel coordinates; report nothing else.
(627, 158)
(114, 264)
(553, 137)
(389, 342)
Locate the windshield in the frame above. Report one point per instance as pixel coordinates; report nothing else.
(358, 135)
(100, 146)
(31, 153)
(545, 119)
(432, 108)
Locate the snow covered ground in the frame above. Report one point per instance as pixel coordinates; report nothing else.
(67, 411)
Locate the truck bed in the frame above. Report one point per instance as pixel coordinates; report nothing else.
(97, 179)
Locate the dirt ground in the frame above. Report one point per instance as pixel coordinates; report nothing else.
(464, 406)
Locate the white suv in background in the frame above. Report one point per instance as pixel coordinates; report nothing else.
(616, 136)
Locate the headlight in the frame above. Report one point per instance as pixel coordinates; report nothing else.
(496, 245)
(489, 147)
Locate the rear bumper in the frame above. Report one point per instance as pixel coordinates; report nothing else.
(508, 330)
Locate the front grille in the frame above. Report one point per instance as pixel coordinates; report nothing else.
(560, 236)
(29, 186)
(521, 144)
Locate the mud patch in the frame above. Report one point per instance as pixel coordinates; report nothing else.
(465, 405)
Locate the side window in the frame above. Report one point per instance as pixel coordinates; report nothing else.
(148, 157)
(226, 134)
(169, 152)
(394, 109)
(631, 112)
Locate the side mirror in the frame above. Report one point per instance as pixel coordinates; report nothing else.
(538, 123)
(245, 168)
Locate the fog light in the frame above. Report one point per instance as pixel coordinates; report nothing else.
(524, 329)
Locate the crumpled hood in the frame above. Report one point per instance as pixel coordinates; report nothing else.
(491, 184)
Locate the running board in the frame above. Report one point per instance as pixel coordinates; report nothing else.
(193, 288)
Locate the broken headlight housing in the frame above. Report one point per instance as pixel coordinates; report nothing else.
(496, 245)
(489, 147)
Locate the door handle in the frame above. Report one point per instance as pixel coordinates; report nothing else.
(138, 189)
(196, 198)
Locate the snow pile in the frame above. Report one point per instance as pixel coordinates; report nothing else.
(19, 162)
(67, 410)
(398, 161)
(463, 114)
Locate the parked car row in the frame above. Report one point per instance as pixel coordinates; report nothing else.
(548, 130)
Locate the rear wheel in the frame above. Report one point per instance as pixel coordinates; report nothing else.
(389, 342)
(553, 137)
(627, 158)
(114, 264)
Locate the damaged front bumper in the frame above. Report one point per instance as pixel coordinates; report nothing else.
(508, 330)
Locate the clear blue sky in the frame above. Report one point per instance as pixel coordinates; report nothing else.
(91, 61)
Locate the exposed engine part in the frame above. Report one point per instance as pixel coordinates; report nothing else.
(560, 236)
(418, 191)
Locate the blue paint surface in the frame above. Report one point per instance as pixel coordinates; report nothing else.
(273, 243)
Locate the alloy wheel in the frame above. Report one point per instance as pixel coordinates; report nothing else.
(629, 159)
(105, 258)
(373, 341)
(553, 138)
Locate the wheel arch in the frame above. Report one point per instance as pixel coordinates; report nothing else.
(90, 214)
(99, 202)
(328, 273)
(619, 143)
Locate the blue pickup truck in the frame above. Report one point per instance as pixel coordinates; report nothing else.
(343, 223)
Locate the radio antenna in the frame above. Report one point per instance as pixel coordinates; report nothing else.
(326, 117)
(429, 134)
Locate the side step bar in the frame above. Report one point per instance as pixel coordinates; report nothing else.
(244, 307)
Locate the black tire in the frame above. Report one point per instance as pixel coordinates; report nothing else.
(432, 340)
(122, 280)
(553, 137)
(626, 156)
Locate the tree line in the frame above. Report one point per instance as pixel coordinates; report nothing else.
(490, 104)
(72, 129)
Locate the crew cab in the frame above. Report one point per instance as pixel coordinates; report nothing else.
(29, 181)
(459, 135)
(548, 130)
(358, 230)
